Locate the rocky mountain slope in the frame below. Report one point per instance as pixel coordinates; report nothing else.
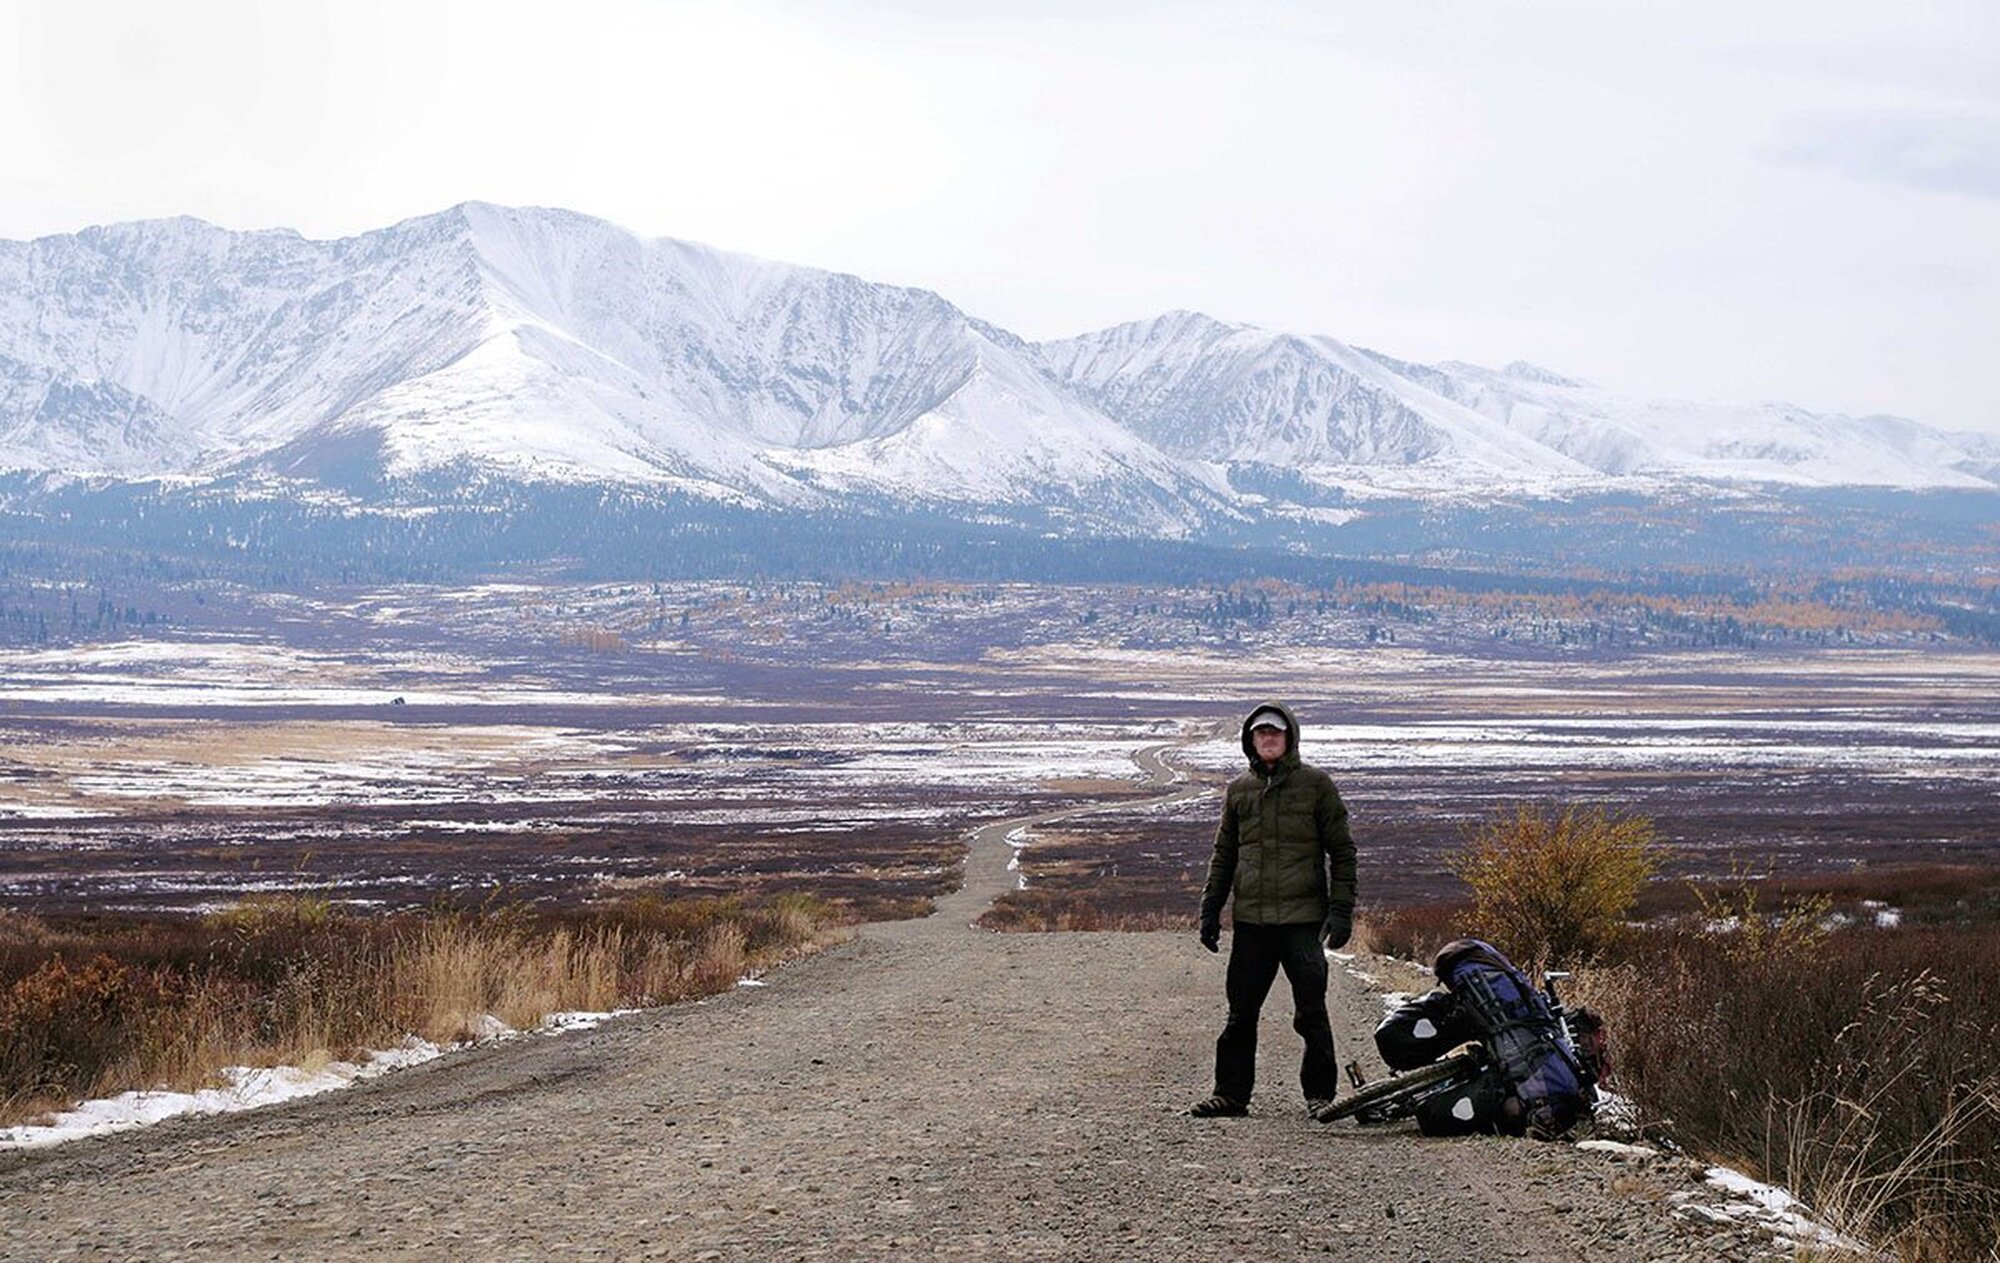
(1235, 394)
(544, 345)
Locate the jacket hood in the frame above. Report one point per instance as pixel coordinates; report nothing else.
(1291, 736)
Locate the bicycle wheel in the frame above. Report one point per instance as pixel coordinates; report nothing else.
(1378, 1095)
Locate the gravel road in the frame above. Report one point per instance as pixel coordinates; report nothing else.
(926, 1090)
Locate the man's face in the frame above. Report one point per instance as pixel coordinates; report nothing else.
(1269, 743)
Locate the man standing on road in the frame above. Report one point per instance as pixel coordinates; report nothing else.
(1283, 849)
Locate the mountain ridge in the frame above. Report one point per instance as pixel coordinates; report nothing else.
(545, 343)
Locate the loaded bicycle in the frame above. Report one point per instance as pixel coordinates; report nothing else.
(1490, 1052)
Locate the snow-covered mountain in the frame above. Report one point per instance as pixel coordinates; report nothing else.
(1235, 394)
(1771, 442)
(546, 345)
(1982, 455)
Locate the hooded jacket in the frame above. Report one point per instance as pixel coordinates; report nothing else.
(1282, 848)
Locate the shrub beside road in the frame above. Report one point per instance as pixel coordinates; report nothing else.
(92, 1007)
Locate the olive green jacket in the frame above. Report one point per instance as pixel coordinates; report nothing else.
(1283, 848)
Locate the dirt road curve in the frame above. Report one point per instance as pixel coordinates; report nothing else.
(928, 1090)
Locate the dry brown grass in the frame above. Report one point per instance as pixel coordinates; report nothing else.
(1942, 895)
(458, 975)
(1363, 937)
(1037, 911)
(18, 930)
(105, 1006)
(1417, 931)
(1858, 1068)
(97, 747)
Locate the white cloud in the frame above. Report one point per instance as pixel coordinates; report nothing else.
(1948, 153)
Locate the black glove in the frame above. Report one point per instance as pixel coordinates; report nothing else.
(1211, 932)
(1338, 926)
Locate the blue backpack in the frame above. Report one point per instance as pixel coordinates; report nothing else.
(1521, 1036)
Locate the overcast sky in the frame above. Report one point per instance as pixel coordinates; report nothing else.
(1796, 200)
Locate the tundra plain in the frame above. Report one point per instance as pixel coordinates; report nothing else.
(400, 747)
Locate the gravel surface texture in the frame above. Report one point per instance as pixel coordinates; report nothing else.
(927, 1090)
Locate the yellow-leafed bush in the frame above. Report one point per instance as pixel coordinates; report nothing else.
(1549, 887)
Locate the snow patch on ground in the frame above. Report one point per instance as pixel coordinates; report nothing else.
(186, 673)
(1616, 1113)
(1017, 841)
(49, 811)
(1886, 917)
(1617, 1148)
(579, 1020)
(250, 1087)
(1554, 742)
(1752, 1202)
(245, 1087)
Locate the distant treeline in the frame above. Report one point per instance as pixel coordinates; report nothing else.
(36, 615)
(1925, 554)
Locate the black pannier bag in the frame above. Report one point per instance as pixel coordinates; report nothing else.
(1422, 1030)
(1479, 1106)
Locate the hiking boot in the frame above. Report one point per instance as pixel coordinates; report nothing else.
(1218, 1107)
(1317, 1106)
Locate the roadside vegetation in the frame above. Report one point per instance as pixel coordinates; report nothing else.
(92, 1007)
(1839, 1036)
(1055, 909)
(1556, 885)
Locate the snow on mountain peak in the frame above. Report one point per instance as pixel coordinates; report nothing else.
(557, 345)
(1238, 394)
(1521, 370)
(541, 341)
(1223, 392)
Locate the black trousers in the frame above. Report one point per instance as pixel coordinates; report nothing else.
(1256, 953)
